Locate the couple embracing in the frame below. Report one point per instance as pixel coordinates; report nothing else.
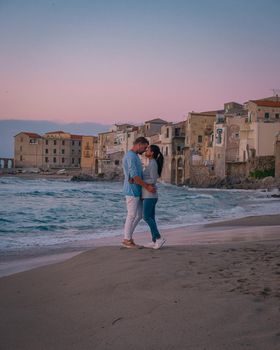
(140, 190)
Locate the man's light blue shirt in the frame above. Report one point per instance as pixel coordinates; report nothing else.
(131, 167)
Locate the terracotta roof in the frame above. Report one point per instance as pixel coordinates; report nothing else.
(204, 114)
(55, 132)
(76, 137)
(31, 134)
(266, 103)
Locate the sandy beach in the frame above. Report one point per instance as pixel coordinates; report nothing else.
(216, 287)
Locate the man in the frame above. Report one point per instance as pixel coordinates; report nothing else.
(132, 188)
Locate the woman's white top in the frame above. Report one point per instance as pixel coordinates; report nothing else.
(150, 176)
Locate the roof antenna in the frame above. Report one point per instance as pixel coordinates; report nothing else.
(276, 93)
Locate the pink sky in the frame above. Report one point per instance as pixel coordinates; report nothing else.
(71, 62)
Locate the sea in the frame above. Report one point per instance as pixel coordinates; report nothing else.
(46, 212)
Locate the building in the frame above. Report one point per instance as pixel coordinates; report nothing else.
(89, 155)
(61, 150)
(277, 156)
(226, 137)
(172, 144)
(258, 132)
(28, 150)
(152, 127)
(53, 150)
(199, 157)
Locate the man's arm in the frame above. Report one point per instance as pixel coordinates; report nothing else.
(148, 187)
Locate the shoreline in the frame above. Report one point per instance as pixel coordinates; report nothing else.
(265, 184)
(248, 229)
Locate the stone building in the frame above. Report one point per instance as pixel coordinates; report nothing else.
(244, 138)
(277, 156)
(53, 150)
(226, 137)
(61, 150)
(152, 127)
(199, 131)
(89, 162)
(106, 142)
(28, 150)
(258, 132)
(172, 143)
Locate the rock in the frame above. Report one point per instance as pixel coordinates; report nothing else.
(83, 177)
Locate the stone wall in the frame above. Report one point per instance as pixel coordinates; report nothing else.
(277, 160)
(200, 176)
(241, 170)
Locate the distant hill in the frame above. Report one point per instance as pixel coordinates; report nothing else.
(9, 128)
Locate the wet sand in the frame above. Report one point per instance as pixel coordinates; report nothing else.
(216, 287)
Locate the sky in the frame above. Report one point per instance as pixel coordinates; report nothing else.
(111, 61)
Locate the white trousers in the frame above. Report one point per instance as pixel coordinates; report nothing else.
(134, 207)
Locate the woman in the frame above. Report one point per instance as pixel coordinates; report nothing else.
(150, 175)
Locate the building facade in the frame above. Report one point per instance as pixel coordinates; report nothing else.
(53, 150)
(28, 150)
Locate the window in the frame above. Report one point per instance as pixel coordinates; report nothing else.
(117, 162)
(266, 116)
(73, 143)
(79, 160)
(47, 142)
(178, 148)
(73, 160)
(21, 139)
(63, 142)
(199, 139)
(54, 151)
(63, 151)
(167, 132)
(177, 131)
(54, 142)
(219, 136)
(32, 141)
(62, 160)
(20, 158)
(72, 151)
(46, 159)
(166, 150)
(20, 148)
(79, 143)
(54, 160)
(46, 150)
(277, 116)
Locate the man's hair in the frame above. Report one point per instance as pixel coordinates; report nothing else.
(142, 140)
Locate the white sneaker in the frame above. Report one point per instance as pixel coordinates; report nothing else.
(159, 243)
(149, 245)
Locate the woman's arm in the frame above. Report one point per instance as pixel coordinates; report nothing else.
(139, 181)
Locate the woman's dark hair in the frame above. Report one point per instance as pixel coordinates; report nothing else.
(158, 157)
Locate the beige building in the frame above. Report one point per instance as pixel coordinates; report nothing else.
(53, 150)
(226, 137)
(172, 144)
(258, 132)
(61, 150)
(153, 126)
(199, 128)
(28, 150)
(277, 156)
(199, 156)
(244, 137)
(89, 162)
